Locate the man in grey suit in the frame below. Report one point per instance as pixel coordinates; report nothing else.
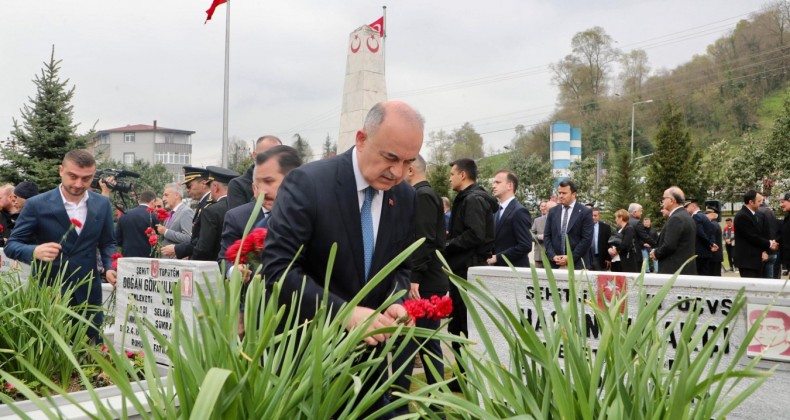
(677, 241)
(177, 229)
(538, 227)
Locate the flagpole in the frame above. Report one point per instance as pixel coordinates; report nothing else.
(384, 37)
(227, 84)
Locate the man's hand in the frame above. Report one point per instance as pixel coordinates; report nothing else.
(764, 256)
(613, 251)
(714, 248)
(774, 245)
(653, 255)
(607, 264)
(492, 260)
(160, 229)
(560, 260)
(169, 250)
(111, 276)
(414, 291)
(387, 319)
(46, 252)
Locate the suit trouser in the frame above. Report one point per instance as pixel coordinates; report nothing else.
(703, 266)
(730, 256)
(750, 272)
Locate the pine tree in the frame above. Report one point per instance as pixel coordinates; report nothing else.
(46, 133)
(330, 147)
(778, 141)
(675, 162)
(303, 148)
(622, 188)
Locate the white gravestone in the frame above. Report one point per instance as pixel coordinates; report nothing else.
(7, 265)
(150, 285)
(714, 294)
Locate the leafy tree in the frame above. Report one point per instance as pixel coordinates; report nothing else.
(749, 167)
(778, 143)
(713, 169)
(303, 148)
(675, 162)
(635, 71)
(46, 133)
(239, 156)
(585, 175)
(534, 175)
(439, 177)
(330, 148)
(466, 143)
(622, 188)
(581, 76)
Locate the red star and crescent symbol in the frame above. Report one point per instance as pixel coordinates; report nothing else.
(610, 289)
(358, 42)
(373, 49)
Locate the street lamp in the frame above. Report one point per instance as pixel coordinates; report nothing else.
(633, 111)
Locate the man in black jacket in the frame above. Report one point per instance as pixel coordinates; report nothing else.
(784, 234)
(471, 238)
(427, 277)
(752, 247)
(676, 242)
(209, 237)
(130, 233)
(240, 188)
(601, 260)
(705, 243)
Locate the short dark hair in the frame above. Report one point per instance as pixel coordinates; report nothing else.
(146, 196)
(287, 157)
(750, 195)
(466, 165)
(510, 176)
(568, 183)
(729, 219)
(82, 157)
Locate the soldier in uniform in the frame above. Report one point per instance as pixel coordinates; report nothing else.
(209, 236)
(198, 183)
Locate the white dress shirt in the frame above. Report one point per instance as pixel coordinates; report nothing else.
(378, 197)
(77, 211)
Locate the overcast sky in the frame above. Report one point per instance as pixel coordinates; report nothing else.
(133, 62)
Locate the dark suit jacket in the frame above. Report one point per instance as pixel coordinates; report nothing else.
(317, 206)
(240, 189)
(604, 232)
(130, 232)
(185, 249)
(705, 235)
(208, 241)
(752, 240)
(234, 224)
(429, 224)
(579, 232)
(44, 219)
(513, 239)
(676, 244)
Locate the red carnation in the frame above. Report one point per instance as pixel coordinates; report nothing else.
(150, 231)
(76, 223)
(116, 256)
(129, 354)
(153, 239)
(443, 306)
(162, 214)
(9, 386)
(436, 308)
(150, 209)
(1, 228)
(114, 265)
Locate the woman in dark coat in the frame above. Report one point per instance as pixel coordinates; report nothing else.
(626, 250)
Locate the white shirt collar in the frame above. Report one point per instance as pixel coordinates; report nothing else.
(360, 180)
(506, 203)
(84, 198)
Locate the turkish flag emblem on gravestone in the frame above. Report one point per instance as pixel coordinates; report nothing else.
(609, 289)
(154, 268)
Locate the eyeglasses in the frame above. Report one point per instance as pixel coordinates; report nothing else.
(158, 207)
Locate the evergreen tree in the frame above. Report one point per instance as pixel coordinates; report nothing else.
(303, 148)
(439, 177)
(330, 147)
(622, 187)
(675, 162)
(46, 133)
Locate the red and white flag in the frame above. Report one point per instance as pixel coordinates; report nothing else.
(210, 11)
(378, 25)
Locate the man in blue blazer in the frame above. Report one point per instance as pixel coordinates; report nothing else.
(130, 232)
(39, 231)
(513, 224)
(572, 220)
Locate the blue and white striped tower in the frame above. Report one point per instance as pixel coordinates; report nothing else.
(560, 151)
(576, 144)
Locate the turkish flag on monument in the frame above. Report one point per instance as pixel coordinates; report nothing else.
(210, 11)
(378, 25)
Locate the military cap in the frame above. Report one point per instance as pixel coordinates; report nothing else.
(192, 173)
(220, 174)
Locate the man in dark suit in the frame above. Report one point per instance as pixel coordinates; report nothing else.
(322, 203)
(705, 243)
(357, 201)
(240, 188)
(676, 242)
(753, 244)
(718, 257)
(271, 167)
(208, 241)
(6, 218)
(571, 220)
(131, 230)
(600, 258)
(513, 223)
(784, 231)
(45, 219)
(198, 184)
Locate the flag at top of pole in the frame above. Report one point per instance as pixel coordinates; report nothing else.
(378, 25)
(210, 11)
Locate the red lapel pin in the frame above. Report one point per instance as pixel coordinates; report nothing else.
(392, 202)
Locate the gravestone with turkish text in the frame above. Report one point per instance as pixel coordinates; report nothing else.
(713, 295)
(146, 289)
(9, 266)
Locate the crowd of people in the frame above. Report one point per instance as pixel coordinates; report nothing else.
(373, 201)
